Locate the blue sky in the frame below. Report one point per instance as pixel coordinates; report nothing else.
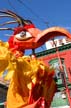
(55, 12)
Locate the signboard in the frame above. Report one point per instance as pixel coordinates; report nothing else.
(58, 42)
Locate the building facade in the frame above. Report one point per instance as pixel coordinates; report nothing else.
(56, 56)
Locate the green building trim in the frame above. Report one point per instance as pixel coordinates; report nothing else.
(51, 51)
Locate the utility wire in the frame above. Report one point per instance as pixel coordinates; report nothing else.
(9, 2)
(22, 3)
(37, 16)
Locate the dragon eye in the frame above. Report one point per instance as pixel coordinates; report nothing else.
(24, 35)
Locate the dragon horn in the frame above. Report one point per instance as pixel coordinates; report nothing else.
(11, 14)
(6, 29)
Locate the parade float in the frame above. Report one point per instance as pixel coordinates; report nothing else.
(31, 82)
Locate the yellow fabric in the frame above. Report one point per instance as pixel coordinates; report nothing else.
(23, 75)
(22, 72)
(4, 57)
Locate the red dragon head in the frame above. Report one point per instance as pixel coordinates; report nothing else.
(26, 35)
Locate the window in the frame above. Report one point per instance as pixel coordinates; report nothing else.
(55, 63)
